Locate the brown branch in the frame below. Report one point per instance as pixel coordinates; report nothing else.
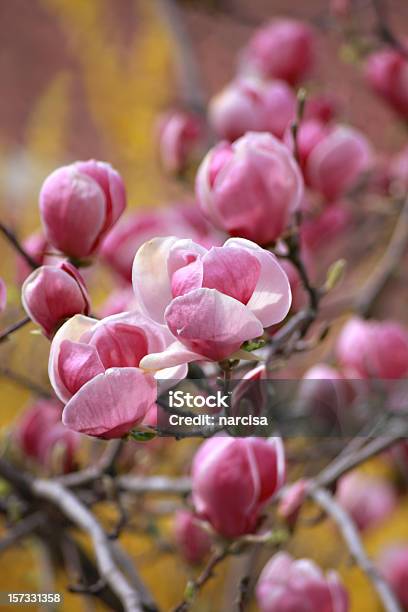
(105, 465)
(11, 237)
(351, 537)
(195, 585)
(154, 484)
(24, 382)
(24, 528)
(387, 265)
(5, 333)
(186, 64)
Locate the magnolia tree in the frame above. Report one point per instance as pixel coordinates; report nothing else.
(211, 303)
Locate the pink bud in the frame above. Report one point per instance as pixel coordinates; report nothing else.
(292, 501)
(178, 135)
(338, 161)
(393, 563)
(233, 478)
(121, 300)
(52, 294)
(40, 435)
(250, 188)
(193, 541)
(310, 133)
(387, 73)
(286, 584)
(252, 105)
(373, 349)
(3, 295)
(283, 49)
(367, 499)
(79, 204)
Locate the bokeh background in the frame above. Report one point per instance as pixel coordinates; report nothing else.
(86, 78)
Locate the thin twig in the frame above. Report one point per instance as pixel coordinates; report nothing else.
(154, 484)
(104, 466)
(25, 382)
(351, 537)
(5, 333)
(387, 265)
(11, 237)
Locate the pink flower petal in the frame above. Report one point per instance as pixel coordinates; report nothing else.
(272, 297)
(234, 273)
(211, 323)
(167, 360)
(187, 278)
(77, 363)
(151, 281)
(110, 404)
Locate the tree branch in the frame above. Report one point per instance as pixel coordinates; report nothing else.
(351, 537)
(11, 237)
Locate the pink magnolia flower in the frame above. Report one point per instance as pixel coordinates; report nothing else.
(338, 161)
(368, 500)
(79, 204)
(289, 585)
(299, 296)
(41, 436)
(373, 349)
(52, 294)
(340, 8)
(233, 479)
(3, 295)
(193, 541)
(283, 49)
(387, 73)
(393, 563)
(211, 300)
(252, 105)
(120, 300)
(250, 188)
(94, 369)
(178, 135)
(185, 220)
(310, 133)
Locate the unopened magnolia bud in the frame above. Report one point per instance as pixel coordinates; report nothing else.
(79, 203)
(52, 294)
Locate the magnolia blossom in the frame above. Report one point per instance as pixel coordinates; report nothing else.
(398, 170)
(211, 300)
(233, 479)
(252, 105)
(393, 563)
(283, 49)
(387, 73)
(41, 436)
(373, 349)
(193, 541)
(3, 295)
(250, 188)
(289, 585)
(178, 134)
(79, 204)
(52, 294)
(367, 499)
(94, 369)
(337, 161)
(121, 244)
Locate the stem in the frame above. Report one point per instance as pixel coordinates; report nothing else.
(13, 328)
(352, 538)
(11, 237)
(387, 265)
